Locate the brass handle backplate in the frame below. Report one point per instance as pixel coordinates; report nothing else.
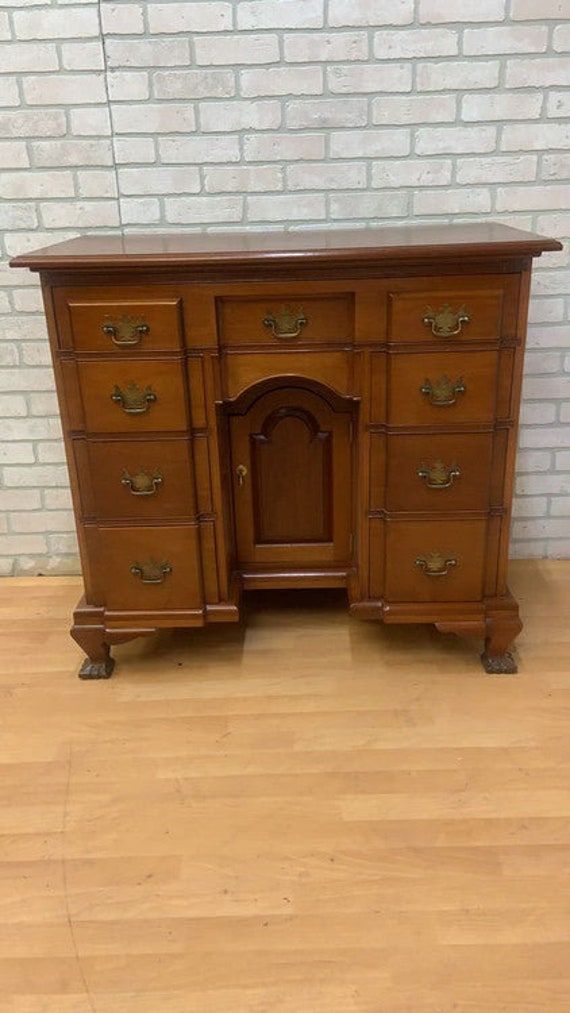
(437, 475)
(133, 399)
(241, 472)
(287, 324)
(125, 331)
(443, 391)
(445, 322)
(142, 483)
(435, 565)
(151, 572)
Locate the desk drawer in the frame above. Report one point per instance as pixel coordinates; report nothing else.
(448, 313)
(439, 472)
(109, 320)
(133, 396)
(141, 480)
(150, 567)
(442, 388)
(294, 319)
(435, 560)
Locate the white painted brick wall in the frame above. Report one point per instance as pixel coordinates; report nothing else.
(277, 114)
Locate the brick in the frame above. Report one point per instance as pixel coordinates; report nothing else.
(242, 178)
(216, 116)
(531, 461)
(134, 149)
(546, 310)
(147, 53)
(542, 362)
(393, 45)
(42, 521)
(319, 113)
(518, 137)
(82, 56)
(322, 47)
(199, 149)
(465, 200)
(366, 77)
(280, 14)
(539, 72)
(158, 180)
(4, 26)
(40, 475)
(203, 209)
(22, 58)
(150, 118)
(11, 544)
(27, 300)
(57, 499)
(318, 176)
(139, 211)
(93, 120)
(236, 49)
(189, 17)
(12, 405)
(13, 155)
(13, 499)
(71, 152)
(412, 172)
(533, 198)
(36, 184)
(436, 12)
(57, 23)
(370, 143)
(496, 169)
(370, 12)
(33, 123)
(546, 437)
(561, 38)
(284, 208)
(551, 283)
(128, 86)
(545, 527)
(65, 89)
(79, 214)
(457, 75)
(122, 18)
(527, 10)
(558, 104)
(442, 140)
(282, 81)
(560, 506)
(17, 216)
(529, 506)
(562, 462)
(9, 94)
(283, 147)
(505, 39)
(546, 387)
(414, 109)
(501, 107)
(537, 414)
(368, 205)
(16, 453)
(194, 84)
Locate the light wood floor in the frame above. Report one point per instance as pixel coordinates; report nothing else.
(307, 815)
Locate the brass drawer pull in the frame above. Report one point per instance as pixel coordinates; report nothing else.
(287, 324)
(446, 323)
(443, 391)
(132, 399)
(142, 483)
(437, 475)
(125, 331)
(151, 572)
(241, 472)
(435, 565)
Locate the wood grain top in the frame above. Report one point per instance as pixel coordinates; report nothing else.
(395, 244)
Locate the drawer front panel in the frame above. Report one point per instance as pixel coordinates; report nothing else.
(140, 479)
(442, 388)
(133, 396)
(435, 560)
(456, 315)
(439, 472)
(134, 325)
(286, 321)
(150, 567)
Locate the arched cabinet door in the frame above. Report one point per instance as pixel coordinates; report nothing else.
(292, 481)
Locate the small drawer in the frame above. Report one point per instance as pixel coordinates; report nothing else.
(441, 388)
(435, 560)
(454, 314)
(150, 567)
(440, 472)
(118, 323)
(133, 396)
(135, 479)
(289, 320)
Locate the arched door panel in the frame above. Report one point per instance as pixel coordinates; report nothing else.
(291, 465)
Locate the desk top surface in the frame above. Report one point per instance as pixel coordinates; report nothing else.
(399, 244)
